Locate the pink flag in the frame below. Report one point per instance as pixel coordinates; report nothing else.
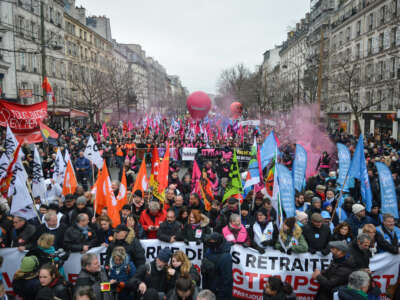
(104, 130)
(196, 174)
(130, 125)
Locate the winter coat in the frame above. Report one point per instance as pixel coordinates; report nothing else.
(360, 257)
(6, 227)
(146, 219)
(149, 274)
(295, 241)
(194, 275)
(317, 238)
(58, 233)
(83, 164)
(134, 250)
(223, 218)
(335, 275)
(338, 237)
(346, 293)
(75, 212)
(75, 239)
(24, 236)
(236, 236)
(261, 238)
(172, 295)
(122, 273)
(26, 286)
(190, 233)
(356, 224)
(391, 239)
(221, 281)
(94, 280)
(57, 288)
(167, 230)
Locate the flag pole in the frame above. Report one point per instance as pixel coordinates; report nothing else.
(33, 202)
(340, 197)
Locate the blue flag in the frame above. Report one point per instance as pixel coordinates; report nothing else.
(358, 169)
(286, 190)
(299, 168)
(344, 165)
(267, 151)
(388, 191)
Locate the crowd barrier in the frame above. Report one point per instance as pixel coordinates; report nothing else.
(250, 269)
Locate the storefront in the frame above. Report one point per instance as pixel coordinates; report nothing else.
(66, 116)
(381, 124)
(339, 122)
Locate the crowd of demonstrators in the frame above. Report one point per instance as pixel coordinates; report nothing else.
(69, 224)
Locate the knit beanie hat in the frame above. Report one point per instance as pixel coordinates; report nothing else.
(356, 208)
(29, 264)
(164, 254)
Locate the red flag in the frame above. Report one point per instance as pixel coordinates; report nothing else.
(155, 166)
(196, 175)
(163, 174)
(47, 87)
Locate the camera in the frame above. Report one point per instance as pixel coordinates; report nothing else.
(60, 257)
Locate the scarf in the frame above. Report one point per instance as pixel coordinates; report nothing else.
(84, 230)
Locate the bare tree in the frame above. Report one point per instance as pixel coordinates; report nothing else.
(91, 85)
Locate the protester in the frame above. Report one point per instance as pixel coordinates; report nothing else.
(337, 272)
(185, 288)
(52, 225)
(80, 237)
(217, 275)
(84, 293)
(94, 276)
(22, 234)
(291, 238)
(263, 233)
(196, 229)
(151, 218)
(358, 219)
(235, 232)
(53, 284)
(359, 250)
(275, 289)
(150, 280)
(181, 266)
(357, 287)
(26, 282)
(317, 235)
(169, 228)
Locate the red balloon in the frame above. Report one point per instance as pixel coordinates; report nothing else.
(198, 104)
(236, 109)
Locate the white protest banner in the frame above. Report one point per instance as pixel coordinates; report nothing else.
(92, 153)
(72, 267)
(189, 153)
(250, 123)
(251, 271)
(269, 122)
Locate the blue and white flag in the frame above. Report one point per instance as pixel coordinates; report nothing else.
(286, 190)
(358, 169)
(299, 168)
(268, 148)
(344, 165)
(388, 191)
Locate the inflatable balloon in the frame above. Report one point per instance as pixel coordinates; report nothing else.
(198, 104)
(236, 110)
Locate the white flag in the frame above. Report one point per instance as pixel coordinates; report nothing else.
(4, 162)
(59, 168)
(20, 197)
(66, 158)
(92, 153)
(27, 213)
(10, 146)
(38, 185)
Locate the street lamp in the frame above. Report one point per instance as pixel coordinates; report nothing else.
(298, 78)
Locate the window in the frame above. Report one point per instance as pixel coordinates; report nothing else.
(381, 41)
(34, 63)
(358, 51)
(358, 30)
(391, 103)
(382, 15)
(51, 14)
(371, 21)
(393, 36)
(393, 67)
(23, 61)
(368, 73)
(368, 97)
(348, 34)
(369, 46)
(381, 71)
(340, 39)
(81, 33)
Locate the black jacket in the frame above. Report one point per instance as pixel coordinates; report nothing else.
(74, 239)
(134, 249)
(334, 276)
(24, 236)
(57, 232)
(317, 238)
(6, 226)
(223, 218)
(188, 234)
(75, 212)
(26, 287)
(94, 280)
(345, 293)
(167, 230)
(58, 288)
(360, 257)
(149, 274)
(194, 275)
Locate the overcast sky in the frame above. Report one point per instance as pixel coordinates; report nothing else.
(197, 39)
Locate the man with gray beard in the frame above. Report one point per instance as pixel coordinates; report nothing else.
(150, 280)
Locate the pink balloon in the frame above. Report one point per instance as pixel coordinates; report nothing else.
(236, 110)
(198, 104)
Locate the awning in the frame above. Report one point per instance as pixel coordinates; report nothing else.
(72, 113)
